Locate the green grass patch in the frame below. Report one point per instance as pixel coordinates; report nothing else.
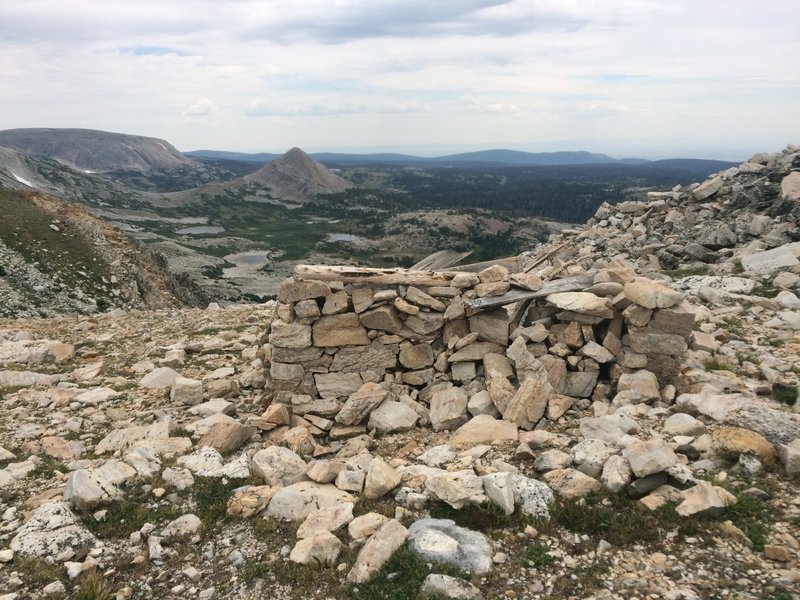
(784, 393)
(744, 357)
(686, 272)
(713, 364)
(482, 517)
(400, 578)
(211, 496)
(617, 519)
(537, 555)
(36, 573)
(93, 587)
(734, 327)
(765, 290)
(129, 514)
(47, 468)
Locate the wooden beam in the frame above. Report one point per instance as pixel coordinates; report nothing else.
(567, 284)
(512, 263)
(440, 260)
(371, 275)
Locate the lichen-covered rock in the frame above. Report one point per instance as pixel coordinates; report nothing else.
(53, 531)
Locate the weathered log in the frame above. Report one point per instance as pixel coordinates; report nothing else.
(567, 284)
(440, 260)
(371, 275)
(512, 263)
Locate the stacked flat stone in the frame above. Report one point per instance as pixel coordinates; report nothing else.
(339, 351)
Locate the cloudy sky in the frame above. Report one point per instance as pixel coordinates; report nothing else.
(627, 77)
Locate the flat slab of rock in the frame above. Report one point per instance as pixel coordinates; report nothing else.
(295, 502)
(339, 330)
(649, 294)
(476, 351)
(445, 586)
(359, 405)
(322, 548)
(163, 377)
(329, 519)
(484, 429)
(448, 408)
(647, 458)
(583, 303)
(378, 549)
(53, 531)
(705, 499)
(227, 437)
(441, 540)
(571, 483)
(782, 258)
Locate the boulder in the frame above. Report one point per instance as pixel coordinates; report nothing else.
(322, 548)
(571, 483)
(704, 499)
(378, 549)
(278, 466)
(359, 405)
(649, 294)
(436, 585)
(163, 377)
(789, 455)
(529, 403)
(186, 391)
(52, 531)
(383, 318)
(182, 528)
(484, 429)
(392, 416)
(499, 488)
(329, 519)
(532, 497)
(442, 541)
(616, 474)
(448, 408)
(456, 488)
(249, 501)
(295, 502)
(647, 458)
(381, 479)
(364, 526)
(733, 441)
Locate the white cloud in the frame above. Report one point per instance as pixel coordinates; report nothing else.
(200, 111)
(526, 73)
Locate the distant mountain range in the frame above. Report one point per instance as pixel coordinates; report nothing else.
(482, 158)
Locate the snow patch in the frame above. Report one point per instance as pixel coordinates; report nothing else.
(87, 171)
(162, 145)
(23, 181)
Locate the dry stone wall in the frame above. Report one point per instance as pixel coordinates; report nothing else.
(442, 354)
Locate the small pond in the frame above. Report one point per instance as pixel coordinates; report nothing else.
(344, 237)
(201, 229)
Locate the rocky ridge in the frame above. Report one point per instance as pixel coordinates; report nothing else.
(179, 462)
(56, 258)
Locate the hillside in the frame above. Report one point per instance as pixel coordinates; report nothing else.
(296, 176)
(139, 162)
(55, 258)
